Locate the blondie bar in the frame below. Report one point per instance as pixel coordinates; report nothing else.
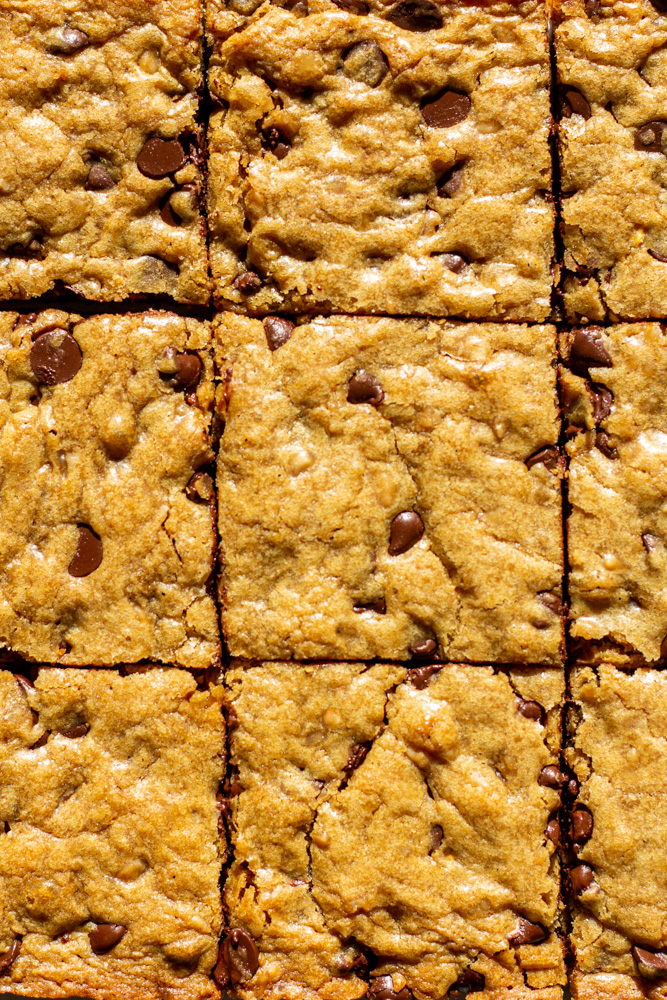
(390, 488)
(618, 876)
(100, 177)
(616, 418)
(393, 832)
(381, 156)
(109, 850)
(612, 72)
(107, 535)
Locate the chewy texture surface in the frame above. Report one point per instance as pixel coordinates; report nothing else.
(84, 85)
(619, 754)
(612, 70)
(336, 184)
(115, 825)
(617, 528)
(310, 485)
(104, 558)
(426, 853)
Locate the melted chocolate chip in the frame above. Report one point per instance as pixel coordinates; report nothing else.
(278, 331)
(55, 357)
(382, 988)
(553, 829)
(453, 262)
(416, 15)
(183, 369)
(574, 103)
(239, 958)
(104, 937)
(447, 109)
(437, 836)
(76, 732)
(89, 552)
(603, 444)
(356, 756)
(582, 823)
(406, 530)
(530, 710)
(364, 388)
(247, 283)
(276, 142)
(468, 982)
(651, 964)
(99, 179)
(41, 742)
(551, 601)
(592, 8)
(603, 401)
(649, 542)
(547, 456)
(451, 182)
(379, 607)
(420, 676)
(588, 350)
(423, 648)
(550, 777)
(68, 41)
(352, 6)
(580, 878)
(366, 63)
(648, 138)
(527, 933)
(161, 157)
(200, 488)
(657, 256)
(8, 958)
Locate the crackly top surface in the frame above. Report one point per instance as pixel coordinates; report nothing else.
(426, 854)
(117, 826)
(310, 484)
(619, 753)
(613, 53)
(71, 107)
(324, 173)
(113, 448)
(617, 528)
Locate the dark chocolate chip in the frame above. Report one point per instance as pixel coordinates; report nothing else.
(416, 15)
(551, 601)
(161, 157)
(420, 676)
(182, 369)
(527, 933)
(353, 6)
(41, 742)
(406, 530)
(574, 103)
(240, 957)
(55, 357)
(588, 350)
(89, 552)
(200, 488)
(379, 607)
(447, 109)
(592, 8)
(76, 732)
(276, 142)
(32, 251)
(437, 836)
(649, 542)
(582, 823)
(366, 63)
(247, 283)
(382, 988)
(571, 785)
(468, 982)
(68, 41)
(104, 937)
(550, 777)
(99, 179)
(278, 331)
(364, 388)
(553, 829)
(423, 648)
(8, 958)
(451, 182)
(603, 444)
(580, 878)
(356, 756)
(547, 456)
(652, 964)
(603, 401)
(530, 710)
(658, 256)
(453, 261)
(648, 138)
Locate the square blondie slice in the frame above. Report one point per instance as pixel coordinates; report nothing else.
(107, 533)
(388, 156)
(390, 488)
(393, 832)
(100, 176)
(618, 875)
(612, 73)
(615, 396)
(109, 850)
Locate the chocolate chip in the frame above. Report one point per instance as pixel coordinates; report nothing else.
(592, 8)
(580, 878)
(658, 256)
(67, 41)
(603, 444)
(437, 836)
(364, 388)
(553, 829)
(588, 350)
(550, 777)
(420, 676)
(603, 401)
(41, 742)
(547, 456)
(416, 15)
(423, 648)
(247, 283)
(356, 756)
(648, 138)
(649, 542)
(582, 823)
(352, 6)
(527, 933)
(32, 251)
(571, 785)
(99, 179)
(181, 370)
(24, 683)
(379, 607)
(447, 109)
(406, 530)
(574, 103)
(76, 732)
(453, 261)
(451, 182)
(382, 988)
(366, 63)
(551, 601)
(530, 710)
(89, 552)
(8, 958)
(468, 982)
(200, 488)
(278, 331)
(55, 357)
(104, 937)
(239, 958)
(161, 157)
(276, 142)
(652, 964)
